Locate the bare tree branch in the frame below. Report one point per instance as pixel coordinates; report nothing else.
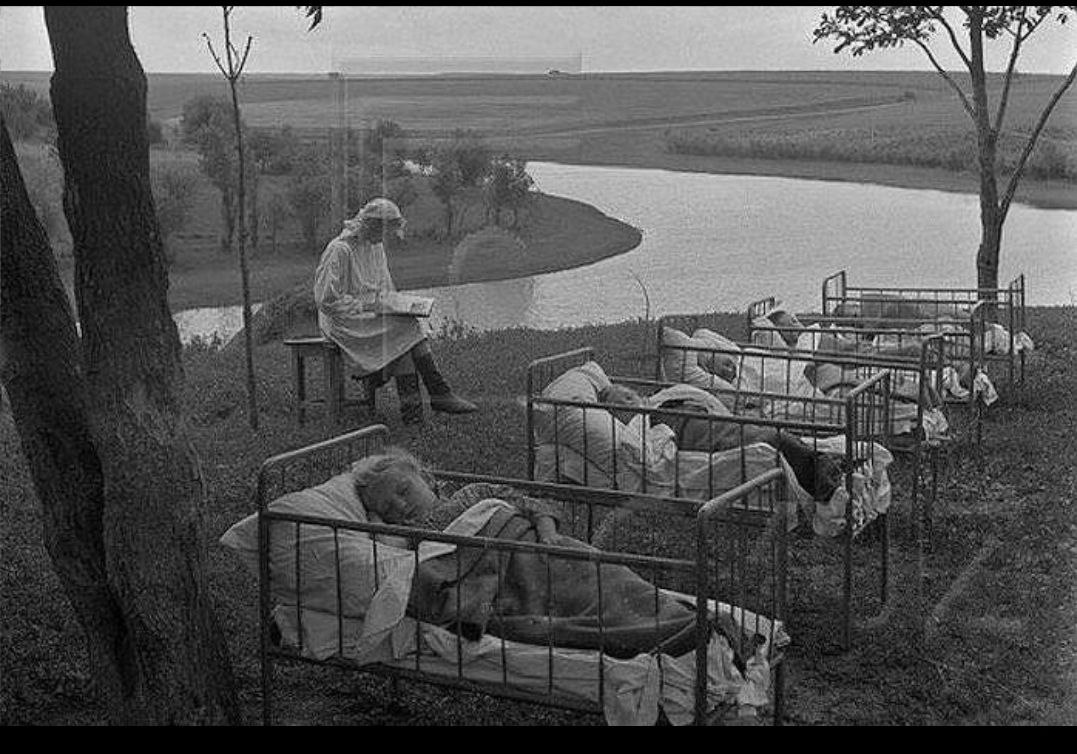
(937, 15)
(246, 52)
(213, 53)
(1011, 186)
(1010, 67)
(949, 79)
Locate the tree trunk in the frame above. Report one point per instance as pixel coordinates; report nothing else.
(987, 152)
(244, 268)
(254, 213)
(41, 372)
(170, 662)
(228, 219)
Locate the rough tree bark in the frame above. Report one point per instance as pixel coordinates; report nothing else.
(41, 371)
(987, 151)
(117, 476)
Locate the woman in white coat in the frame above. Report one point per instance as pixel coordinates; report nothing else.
(351, 279)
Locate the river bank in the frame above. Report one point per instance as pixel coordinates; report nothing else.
(646, 149)
(559, 234)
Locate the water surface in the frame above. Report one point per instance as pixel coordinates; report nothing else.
(718, 242)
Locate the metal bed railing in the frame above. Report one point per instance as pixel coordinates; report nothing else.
(938, 348)
(862, 416)
(914, 378)
(1007, 306)
(737, 558)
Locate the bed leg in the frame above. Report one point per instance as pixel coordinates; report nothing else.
(267, 691)
(847, 596)
(779, 693)
(929, 501)
(885, 558)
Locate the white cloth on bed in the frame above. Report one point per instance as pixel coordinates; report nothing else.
(982, 386)
(635, 689)
(997, 340)
(872, 493)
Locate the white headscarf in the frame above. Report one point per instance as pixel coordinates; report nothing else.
(378, 208)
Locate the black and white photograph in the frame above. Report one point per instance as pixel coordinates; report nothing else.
(544, 366)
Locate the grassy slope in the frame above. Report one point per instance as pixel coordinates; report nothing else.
(997, 661)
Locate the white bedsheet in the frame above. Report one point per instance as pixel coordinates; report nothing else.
(635, 689)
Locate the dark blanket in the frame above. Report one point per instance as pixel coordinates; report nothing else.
(536, 599)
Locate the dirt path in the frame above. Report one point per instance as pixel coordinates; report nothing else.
(691, 121)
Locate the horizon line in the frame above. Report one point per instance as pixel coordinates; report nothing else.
(447, 74)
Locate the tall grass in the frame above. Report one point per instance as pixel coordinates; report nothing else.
(946, 148)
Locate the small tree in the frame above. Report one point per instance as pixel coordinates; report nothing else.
(155, 132)
(307, 193)
(446, 183)
(206, 124)
(863, 28)
(508, 186)
(232, 69)
(173, 194)
(28, 115)
(472, 155)
(383, 150)
(275, 209)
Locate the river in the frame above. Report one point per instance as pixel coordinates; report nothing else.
(717, 242)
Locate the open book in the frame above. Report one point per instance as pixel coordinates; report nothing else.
(403, 303)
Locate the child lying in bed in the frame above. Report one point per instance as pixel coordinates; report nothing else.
(818, 473)
(526, 596)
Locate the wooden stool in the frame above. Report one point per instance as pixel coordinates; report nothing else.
(318, 347)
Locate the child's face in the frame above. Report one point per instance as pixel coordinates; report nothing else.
(789, 324)
(621, 395)
(401, 496)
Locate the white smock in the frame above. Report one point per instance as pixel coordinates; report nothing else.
(351, 275)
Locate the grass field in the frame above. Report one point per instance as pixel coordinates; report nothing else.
(1005, 649)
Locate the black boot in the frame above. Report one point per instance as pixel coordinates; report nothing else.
(411, 399)
(442, 397)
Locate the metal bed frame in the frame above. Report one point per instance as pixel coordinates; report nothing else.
(1004, 305)
(946, 348)
(924, 371)
(862, 416)
(739, 555)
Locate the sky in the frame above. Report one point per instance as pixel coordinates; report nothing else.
(168, 39)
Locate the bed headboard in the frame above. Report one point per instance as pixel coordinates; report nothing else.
(314, 464)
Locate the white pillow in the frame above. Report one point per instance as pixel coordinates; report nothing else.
(712, 360)
(318, 547)
(682, 364)
(768, 338)
(593, 431)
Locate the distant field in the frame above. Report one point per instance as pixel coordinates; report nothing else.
(819, 117)
(513, 103)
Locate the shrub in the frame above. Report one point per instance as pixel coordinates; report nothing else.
(44, 178)
(174, 188)
(28, 115)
